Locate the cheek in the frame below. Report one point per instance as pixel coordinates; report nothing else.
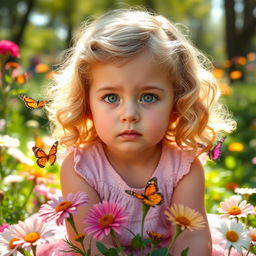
(158, 123)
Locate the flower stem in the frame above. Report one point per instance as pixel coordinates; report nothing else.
(248, 250)
(70, 219)
(33, 250)
(116, 240)
(178, 231)
(152, 248)
(29, 194)
(229, 250)
(145, 209)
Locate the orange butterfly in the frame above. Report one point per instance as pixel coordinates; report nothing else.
(43, 158)
(150, 197)
(31, 103)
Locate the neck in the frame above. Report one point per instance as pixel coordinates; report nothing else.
(137, 169)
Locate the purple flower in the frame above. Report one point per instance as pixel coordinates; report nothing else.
(8, 47)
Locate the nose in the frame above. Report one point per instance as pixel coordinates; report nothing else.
(130, 113)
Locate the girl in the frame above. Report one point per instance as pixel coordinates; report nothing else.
(135, 99)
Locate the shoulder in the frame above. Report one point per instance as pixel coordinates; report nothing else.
(190, 189)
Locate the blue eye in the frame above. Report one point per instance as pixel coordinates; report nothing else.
(111, 98)
(149, 98)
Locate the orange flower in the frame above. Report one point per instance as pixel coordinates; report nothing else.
(236, 147)
(40, 175)
(241, 61)
(218, 73)
(225, 89)
(251, 56)
(232, 186)
(236, 74)
(41, 68)
(12, 65)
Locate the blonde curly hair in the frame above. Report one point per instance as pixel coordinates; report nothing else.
(121, 34)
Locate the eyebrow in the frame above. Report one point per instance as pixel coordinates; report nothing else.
(118, 88)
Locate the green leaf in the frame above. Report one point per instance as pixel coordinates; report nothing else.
(137, 243)
(146, 242)
(101, 247)
(185, 252)
(160, 252)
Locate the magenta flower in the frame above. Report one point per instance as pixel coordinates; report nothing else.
(59, 209)
(103, 217)
(231, 208)
(8, 47)
(3, 227)
(31, 232)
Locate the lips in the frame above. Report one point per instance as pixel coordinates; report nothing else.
(130, 132)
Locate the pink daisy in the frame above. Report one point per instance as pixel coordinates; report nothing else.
(31, 232)
(230, 208)
(104, 217)
(60, 209)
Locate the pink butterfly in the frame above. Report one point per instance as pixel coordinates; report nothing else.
(215, 152)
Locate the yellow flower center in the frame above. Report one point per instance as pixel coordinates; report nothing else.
(63, 206)
(232, 236)
(183, 221)
(106, 220)
(32, 237)
(11, 245)
(253, 237)
(156, 236)
(234, 210)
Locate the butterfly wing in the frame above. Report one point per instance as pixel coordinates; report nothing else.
(155, 199)
(42, 103)
(29, 102)
(134, 194)
(52, 153)
(41, 156)
(215, 153)
(152, 196)
(151, 187)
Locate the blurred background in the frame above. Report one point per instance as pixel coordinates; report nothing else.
(223, 29)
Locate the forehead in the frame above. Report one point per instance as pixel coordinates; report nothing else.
(142, 68)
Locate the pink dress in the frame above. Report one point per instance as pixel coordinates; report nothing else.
(92, 165)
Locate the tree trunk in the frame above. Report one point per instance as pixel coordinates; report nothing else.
(239, 39)
(18, 37)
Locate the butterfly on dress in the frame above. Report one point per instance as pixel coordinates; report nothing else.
(151, 196)
(43, 158)
(215, 152)
(33, 104)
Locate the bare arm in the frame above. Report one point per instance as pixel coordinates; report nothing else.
(72, 182)
(190, 192)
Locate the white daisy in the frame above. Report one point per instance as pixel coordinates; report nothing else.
(32, 232)
(6, 243)
(234, 234)
(245, 191)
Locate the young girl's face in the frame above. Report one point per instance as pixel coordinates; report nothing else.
(131, 103)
